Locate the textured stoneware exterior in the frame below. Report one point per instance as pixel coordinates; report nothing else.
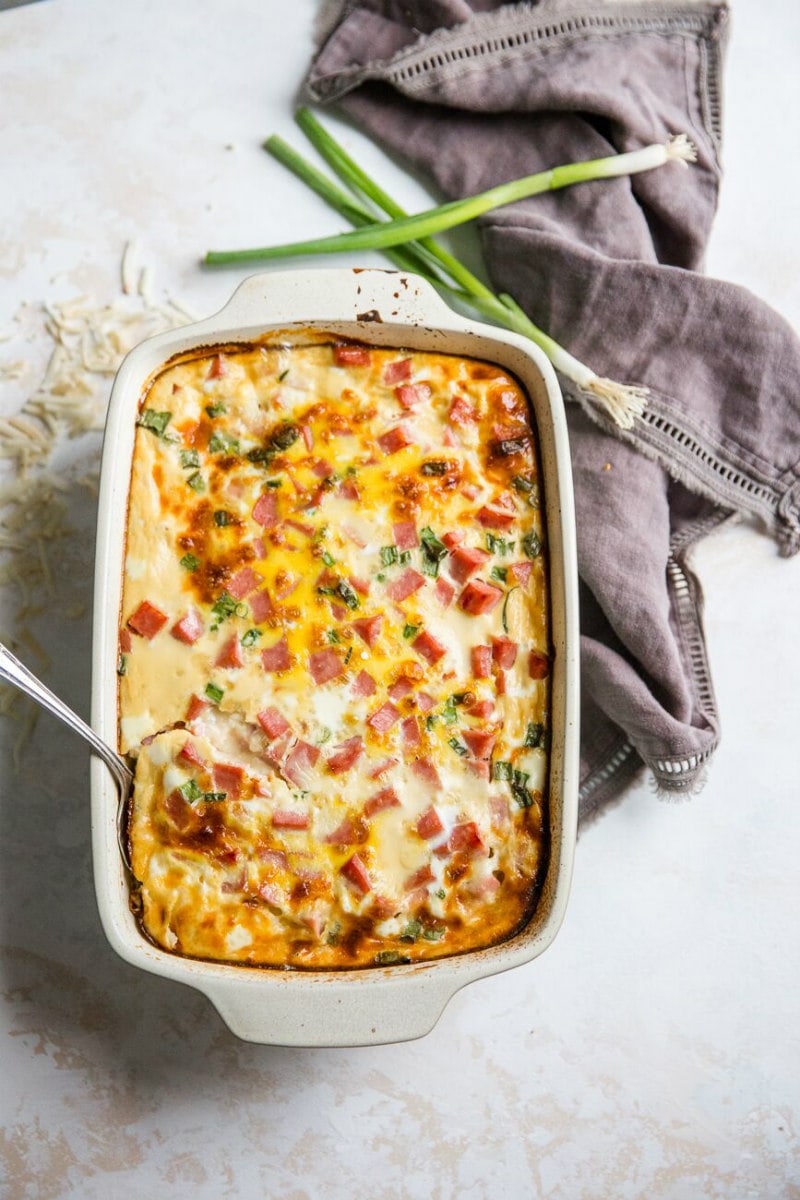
(344, 1008)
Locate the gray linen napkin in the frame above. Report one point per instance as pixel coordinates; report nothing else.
(473, 93)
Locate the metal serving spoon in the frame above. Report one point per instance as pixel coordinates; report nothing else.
(15, 673)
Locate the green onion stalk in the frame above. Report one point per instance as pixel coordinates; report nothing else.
(408, 240)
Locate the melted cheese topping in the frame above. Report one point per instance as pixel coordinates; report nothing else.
(334, 657)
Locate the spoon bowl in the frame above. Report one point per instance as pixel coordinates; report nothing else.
(19, 676)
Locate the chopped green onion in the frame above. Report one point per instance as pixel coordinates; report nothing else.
(509, 594)
(532, 544)
(216, 410)
(404, 557)
(433, 551)
(328, 559)
(458, 746)
(500, 574)
(435, 467)
(519, 789)
(333, 933)
(503, 771)
(535, 735)
(412, 931)
(191, 791)
(223, 443)
(214, 797)
(122, 665)
(388, 555)
(498, 545)
(214, 693)
(251, 637)
(410, 631)
(386, 958)
(283, 375)
(347, 594)
(430, 933)
(156, 422)
(442, 894)
(348, 656)
(222, 518)
(449, 713)
(333, 636)
(226, 606)
(521, 484)
(284, 437)
(274, 483)
(196, 482)
(190, 458)
(325, 735)
(190, 562)
(430, 722)
(262, 455)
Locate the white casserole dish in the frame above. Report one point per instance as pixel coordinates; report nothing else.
(373, 1005)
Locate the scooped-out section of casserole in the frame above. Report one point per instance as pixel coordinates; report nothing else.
(335, 656)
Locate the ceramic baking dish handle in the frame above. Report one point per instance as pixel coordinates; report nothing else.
(370, 1007)
(371, 297)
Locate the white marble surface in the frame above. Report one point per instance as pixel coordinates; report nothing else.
(653, 1051)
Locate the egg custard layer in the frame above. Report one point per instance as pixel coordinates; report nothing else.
(334, 657)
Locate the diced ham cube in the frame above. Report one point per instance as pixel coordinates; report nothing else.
(410, 394)
(228, 778)
(364, 684)
(425, 771)
(265, 510)
(444, 592)
(355, 871)
(192, 755)
(272, 722)
(284, 818)
(501, 814)
(396, 371)
(300, 526)
(481, 657)
(405, 535)
(368, 628)
(359, 585)
(451, 540)
(298, 765)
(243, 582)
(504, 652)
(465, 561)
(308, 436)
(500, 683)
(347, 490)
(351, 356)
(409, 731)
(461, 412)
(285, 584)
(382, 768)
(538, 665)
(217, 368)
(521, 572)
(324, 665)
(466, 836)
(322, 469)
(422, 876)
(196, 706)
(147, 620)
(231, 653)
(125, 641)
(384, 717)
(483, 708)
(348, 832)
(493, 517)
(427, 646)
(261, 606)
(395, 439)
(346, 756)
(425, 702)
(470, 490)
(479, 597)
(386, 798)
(189, 628)
(276, 658)
(405, 585)
(480, 741)
(429, 825)
(478, 766)
(401, 688)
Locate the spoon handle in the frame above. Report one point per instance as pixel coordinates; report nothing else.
(15, 673)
